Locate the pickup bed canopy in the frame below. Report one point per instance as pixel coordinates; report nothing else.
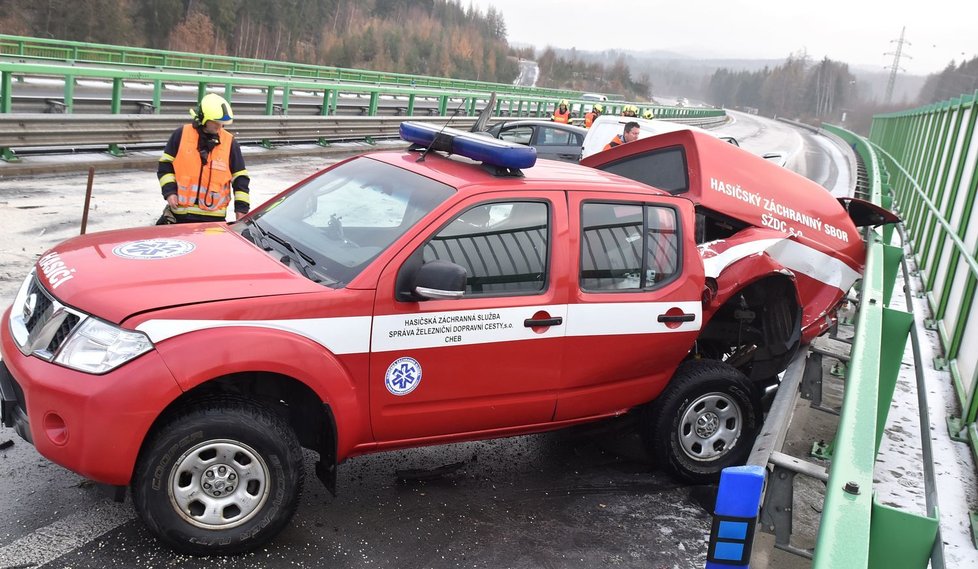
(734, 183)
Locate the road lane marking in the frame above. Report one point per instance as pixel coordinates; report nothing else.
(71, 532)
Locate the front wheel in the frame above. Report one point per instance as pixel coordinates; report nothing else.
(222, 477)
(704, 421)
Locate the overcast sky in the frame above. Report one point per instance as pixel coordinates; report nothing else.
(853, 31)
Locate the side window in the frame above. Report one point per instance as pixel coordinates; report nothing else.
(628, 246)
(664, 169)
(503, 247)
(518, 134)
(554, 137)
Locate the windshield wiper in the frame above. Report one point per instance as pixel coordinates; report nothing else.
(262, 238)
(304, 263)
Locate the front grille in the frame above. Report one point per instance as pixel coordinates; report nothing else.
(62, 333)
(42, 307)
(40, 323)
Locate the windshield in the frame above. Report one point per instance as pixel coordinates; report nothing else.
(331, 227)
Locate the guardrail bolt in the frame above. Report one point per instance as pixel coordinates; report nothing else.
(872, 301)
(851, 487)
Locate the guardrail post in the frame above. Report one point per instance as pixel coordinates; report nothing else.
(442, 105)
(116, 96)
(410, 107)
(269, 100)
(735, 517)
(201, 91)
(285, 99)
(69, 94)
(157, 96)
(6, 99)
(329, 96)
(374, 102)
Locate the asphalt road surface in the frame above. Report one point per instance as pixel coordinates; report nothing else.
(583, 497)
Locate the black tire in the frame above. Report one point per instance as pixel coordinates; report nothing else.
(705, 420)
(233, 454)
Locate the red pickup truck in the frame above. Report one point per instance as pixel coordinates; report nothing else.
(399, 299)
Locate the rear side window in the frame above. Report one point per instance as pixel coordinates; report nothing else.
(503, 246)
(664, 169)
(517, 134)
(628, 247)
(555, 137)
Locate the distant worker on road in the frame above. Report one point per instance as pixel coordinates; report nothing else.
(562, 112)
(594, 113)
(630, 134)
(202, 166)
(629, 111)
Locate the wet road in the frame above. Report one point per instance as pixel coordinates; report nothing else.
(585, 497)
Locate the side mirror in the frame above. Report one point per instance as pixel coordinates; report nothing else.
(440, 280)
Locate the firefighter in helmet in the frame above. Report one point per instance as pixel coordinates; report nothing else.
(594, 113)
(202, 170)
(562, 112)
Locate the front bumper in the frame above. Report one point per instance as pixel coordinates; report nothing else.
(13, 412)
(91, 424)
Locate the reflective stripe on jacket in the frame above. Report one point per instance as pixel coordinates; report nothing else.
(203, 189)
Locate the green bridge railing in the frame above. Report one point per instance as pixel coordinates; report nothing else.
(857, 529)
(932, 154)
(93, 53)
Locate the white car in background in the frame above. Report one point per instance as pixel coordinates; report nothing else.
(606, 127)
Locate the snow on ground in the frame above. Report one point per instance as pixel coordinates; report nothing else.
(898, 470)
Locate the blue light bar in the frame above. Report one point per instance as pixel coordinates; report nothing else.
(469, 144)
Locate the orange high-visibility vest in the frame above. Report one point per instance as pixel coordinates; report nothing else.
(207, 190)
(616, 141)
(589, 119)
(561, 117)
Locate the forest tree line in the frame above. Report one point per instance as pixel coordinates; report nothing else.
(427, 37)
(796, 88)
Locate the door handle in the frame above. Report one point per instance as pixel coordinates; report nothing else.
(684, 317)
(535, 322)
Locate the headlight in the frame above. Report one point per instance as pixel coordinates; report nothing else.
(97, 347)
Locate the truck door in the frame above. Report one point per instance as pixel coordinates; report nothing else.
(635, 309)
(492, 358)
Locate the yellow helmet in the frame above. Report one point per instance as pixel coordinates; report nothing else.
(648, 114)
(630, 111)
(598, 108)
(215, 108)
(563, 103)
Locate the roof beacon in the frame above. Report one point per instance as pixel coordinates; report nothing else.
(490, 151)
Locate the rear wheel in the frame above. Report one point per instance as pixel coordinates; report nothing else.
(704, 421)
(222, 477)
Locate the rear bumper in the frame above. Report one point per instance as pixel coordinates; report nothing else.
(91, 424)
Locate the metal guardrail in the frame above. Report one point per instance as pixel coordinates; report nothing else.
(277, 94)
(34, 131)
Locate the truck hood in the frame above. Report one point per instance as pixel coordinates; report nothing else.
(116, 274)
